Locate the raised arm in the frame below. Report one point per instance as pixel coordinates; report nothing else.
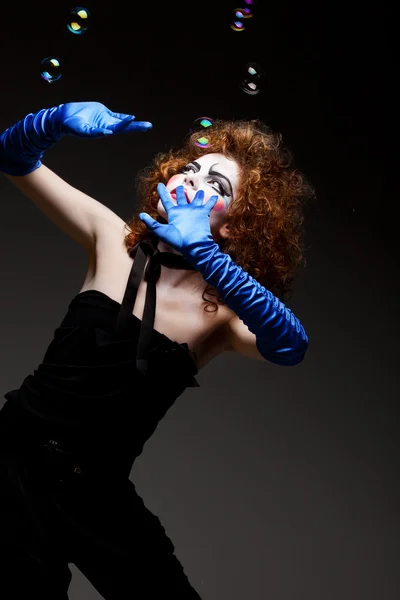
(73, 211)
(21, 151)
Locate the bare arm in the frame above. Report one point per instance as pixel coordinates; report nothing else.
(73, 211)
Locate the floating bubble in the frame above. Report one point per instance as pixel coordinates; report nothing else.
(50, 69)
(78, 20)
(252, 79)
(201, 128)
(239, 15)
(237, 22)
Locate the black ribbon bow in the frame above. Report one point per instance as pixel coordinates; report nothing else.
(152, 272)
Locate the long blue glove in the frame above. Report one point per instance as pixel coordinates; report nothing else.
(22, 146)
(280, 338)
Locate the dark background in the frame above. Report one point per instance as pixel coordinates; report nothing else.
(272, 482)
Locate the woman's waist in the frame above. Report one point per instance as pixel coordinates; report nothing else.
(27, 435)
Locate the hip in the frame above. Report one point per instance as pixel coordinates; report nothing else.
(52, 451)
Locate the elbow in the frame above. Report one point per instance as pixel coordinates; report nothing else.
(288, 356)
(289, 360)
(294, 356)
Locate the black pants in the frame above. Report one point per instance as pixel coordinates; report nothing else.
(53, 512)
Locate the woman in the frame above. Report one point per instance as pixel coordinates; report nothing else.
(221, 224)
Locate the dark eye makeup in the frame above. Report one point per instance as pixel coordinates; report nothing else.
(220, 189)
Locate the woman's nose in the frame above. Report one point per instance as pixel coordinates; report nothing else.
(192, 180)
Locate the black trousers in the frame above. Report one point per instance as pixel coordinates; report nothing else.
(54, 512)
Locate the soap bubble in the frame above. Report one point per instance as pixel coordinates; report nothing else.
(78, 20)
(201, 128)
(252, 79)
(237, 22)
(50, 69)
(239, 15)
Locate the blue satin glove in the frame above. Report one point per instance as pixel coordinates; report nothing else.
(188, 222)
(22, 146)
(280, 337)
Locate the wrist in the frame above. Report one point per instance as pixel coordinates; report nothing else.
(200, 253)
(22, 145)
(45, 127)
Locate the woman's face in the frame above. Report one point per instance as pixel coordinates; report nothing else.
(213, 173)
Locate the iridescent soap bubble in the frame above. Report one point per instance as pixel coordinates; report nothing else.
(239, 16)
(50, 69)
(201, 130)
(78, 20)
(252, 79)
(237, 21)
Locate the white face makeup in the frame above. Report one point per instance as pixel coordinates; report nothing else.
(215, 175)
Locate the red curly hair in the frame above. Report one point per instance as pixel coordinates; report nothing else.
(265, 219)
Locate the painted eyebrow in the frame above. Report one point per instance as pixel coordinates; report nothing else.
(196, 165)
(212, 172)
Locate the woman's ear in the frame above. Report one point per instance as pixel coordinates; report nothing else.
(224, 231)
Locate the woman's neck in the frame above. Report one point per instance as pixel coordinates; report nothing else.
(177, 278)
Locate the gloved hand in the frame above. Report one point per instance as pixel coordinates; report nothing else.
(280, 337)
(188, 223)
(22, 146)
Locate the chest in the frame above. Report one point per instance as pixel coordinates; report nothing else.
(180, 313)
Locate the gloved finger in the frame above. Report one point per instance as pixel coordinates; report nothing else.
(164, 197)
(129, 124)
(199, 198)
(180, 195)
(121, 116)
(150, 223)
(211, 202)
(138, 126)
(121, 125)
(96, 131)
